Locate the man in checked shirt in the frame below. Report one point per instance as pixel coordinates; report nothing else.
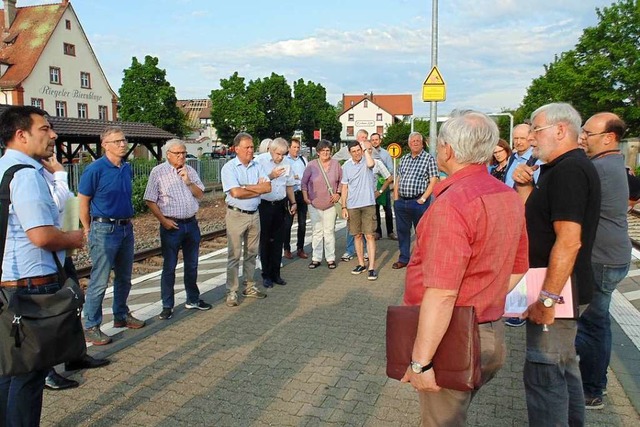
(173, 193)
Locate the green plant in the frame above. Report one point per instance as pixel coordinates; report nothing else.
(139, 186)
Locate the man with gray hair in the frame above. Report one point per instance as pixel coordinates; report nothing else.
(172, 194)
(273, 208)
(417, 175)
(562, 212)
(464, 256)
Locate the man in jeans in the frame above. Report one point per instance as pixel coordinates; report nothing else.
(611, 252)
(106, 210)
(28, 265)
(172, 194)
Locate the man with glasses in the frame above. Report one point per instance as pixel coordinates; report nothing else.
(106, 209)
(611, 252)
(562, 212)
(172, 194)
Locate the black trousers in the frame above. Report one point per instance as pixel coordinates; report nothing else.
(302, 223)
(388, 216)
(272, 229)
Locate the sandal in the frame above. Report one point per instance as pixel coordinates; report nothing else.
(331, 265)
(314, 264)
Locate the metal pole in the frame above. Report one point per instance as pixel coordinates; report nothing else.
(433, 124)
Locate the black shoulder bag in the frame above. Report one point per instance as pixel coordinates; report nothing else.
(37, 332)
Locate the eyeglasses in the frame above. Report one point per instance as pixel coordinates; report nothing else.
(117, 142)
(178, 153)
(498, 151)
(588, 134)
(536, 130)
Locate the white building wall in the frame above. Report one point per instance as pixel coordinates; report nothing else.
(364, 118)
(38, 85)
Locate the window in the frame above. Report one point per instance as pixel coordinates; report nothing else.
(350, 117)
(69, 49)
(365, 104)
(380, 129)
(55, 75)
(379, 117)
(61, 109)
(82, 111)
(349, 130)
(85, 80)
(37, 102)
(67, 24)
(103, 112)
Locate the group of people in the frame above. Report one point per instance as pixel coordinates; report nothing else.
(559, 202)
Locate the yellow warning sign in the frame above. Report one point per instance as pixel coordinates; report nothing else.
(394, 150)
(434, 89)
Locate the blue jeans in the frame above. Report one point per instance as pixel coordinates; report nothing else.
(552, 383)
(593, 341)
(21, 395)
(110, 247)
(408, 213)
(351, 243)
(187, 237)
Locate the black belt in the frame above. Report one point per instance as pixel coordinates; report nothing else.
(233, 208)
(274, 202)
(124, 221)
(411, 197)
(182, 220)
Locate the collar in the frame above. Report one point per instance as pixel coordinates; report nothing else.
(526, 155)
(421, 153)
(576, 152)
(11, 153)
(463, 173)
(237, 162)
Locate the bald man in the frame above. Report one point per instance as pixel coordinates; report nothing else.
(522, 153)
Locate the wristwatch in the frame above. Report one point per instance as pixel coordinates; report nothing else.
(418, 368)
(547, 302)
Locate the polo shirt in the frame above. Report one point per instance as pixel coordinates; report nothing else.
(234, 175)
(360, 183)
(471, 239)
(31, 206)
(568, 190)
(109, 188)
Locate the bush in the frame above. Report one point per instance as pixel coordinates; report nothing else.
(139, 185)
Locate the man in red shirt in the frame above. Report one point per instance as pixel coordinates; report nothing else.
(471, 249)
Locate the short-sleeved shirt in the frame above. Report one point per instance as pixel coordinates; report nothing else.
(568, 190)
(384, 156)
(109, 187)
(298, 165)
(471, 239)
(278, 185)
(612, 244)
(31, 206)
(415, 174)
(167, 189)
(234, 175)
(360, 182)
(314, 184)
(379, 169)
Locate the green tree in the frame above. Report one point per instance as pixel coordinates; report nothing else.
(146, 96)
(314, 112)
(399, 133)
(601, 73)
(272, 97)
(232, 111)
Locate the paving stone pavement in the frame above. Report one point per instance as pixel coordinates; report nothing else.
(311, 354)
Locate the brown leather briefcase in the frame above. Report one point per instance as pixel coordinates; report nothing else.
(457, 359)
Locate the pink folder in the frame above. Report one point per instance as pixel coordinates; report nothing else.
(527, 292)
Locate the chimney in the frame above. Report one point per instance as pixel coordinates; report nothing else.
(9, 13)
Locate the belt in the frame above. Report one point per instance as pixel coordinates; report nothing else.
(411, 197)
(124, 221)
(233, 208)
(31, 281)
(182, 220)
(274, 202)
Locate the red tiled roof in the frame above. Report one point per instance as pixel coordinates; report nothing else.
(397, 105)
(31, 29)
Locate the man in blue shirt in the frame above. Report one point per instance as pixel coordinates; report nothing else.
(383, 155)
(106, 210)
(298, 165)
(32, 234)
(243, 181)
(522, 153)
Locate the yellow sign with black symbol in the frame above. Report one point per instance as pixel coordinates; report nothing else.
(434, 89)
(394, 150)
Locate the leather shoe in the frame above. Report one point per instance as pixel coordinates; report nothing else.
(87, 362)
(267, 283)
(398, 265)
(287, 255)
(280, 281)
(302, 255)
(55, 381)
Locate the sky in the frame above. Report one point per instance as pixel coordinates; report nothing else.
(489, 51)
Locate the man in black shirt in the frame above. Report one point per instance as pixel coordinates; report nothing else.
(562, 213)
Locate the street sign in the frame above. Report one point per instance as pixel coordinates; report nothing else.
(434, 89)
(394, 150)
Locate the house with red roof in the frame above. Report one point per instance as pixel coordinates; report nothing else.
(372, 113)
(46, 60)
